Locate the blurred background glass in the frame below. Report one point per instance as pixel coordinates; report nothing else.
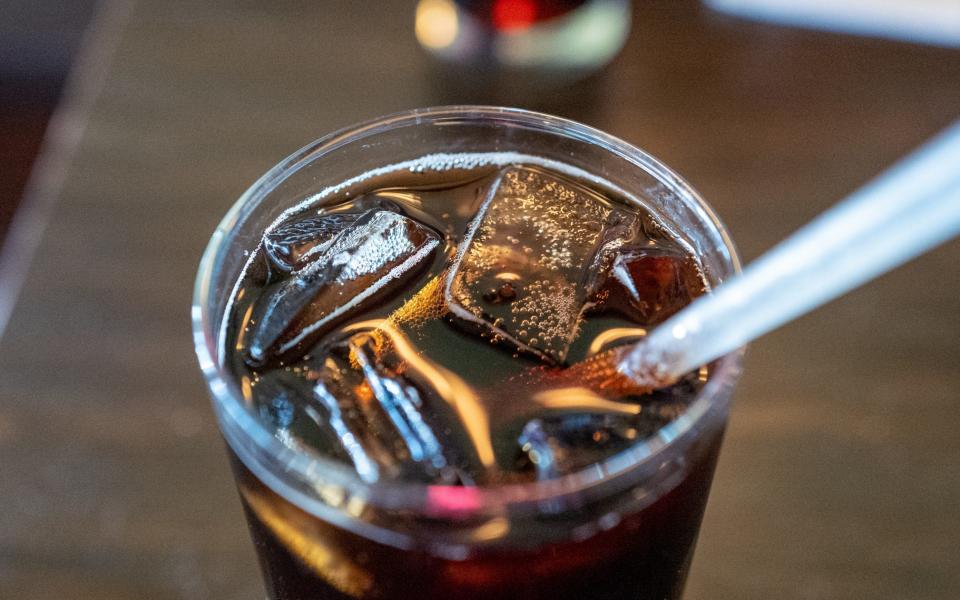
(520, 49)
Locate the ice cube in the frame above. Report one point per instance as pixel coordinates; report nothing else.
(648, 285)
(371, 258)
(532, 258)
(276, 394)
(280, 397)
(575, 427)
(377, 414)
(402, 403)
(292, 245)
(557, 445)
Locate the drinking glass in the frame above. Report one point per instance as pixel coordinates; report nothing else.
(621, 528)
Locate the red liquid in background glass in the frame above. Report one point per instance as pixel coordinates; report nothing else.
(480, 264)
(505, 15)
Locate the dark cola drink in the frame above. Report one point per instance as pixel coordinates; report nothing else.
(410, 331)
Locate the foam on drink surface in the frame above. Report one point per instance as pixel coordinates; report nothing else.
(420, 322)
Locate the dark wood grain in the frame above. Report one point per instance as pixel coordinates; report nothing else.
(840, 475)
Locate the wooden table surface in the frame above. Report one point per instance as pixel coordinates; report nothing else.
(840, 475)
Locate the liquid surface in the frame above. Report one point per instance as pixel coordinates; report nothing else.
(411, 323)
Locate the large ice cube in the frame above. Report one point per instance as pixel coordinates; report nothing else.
(532, 258)
(368, 259)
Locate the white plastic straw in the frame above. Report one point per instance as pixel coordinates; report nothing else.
(909, 209)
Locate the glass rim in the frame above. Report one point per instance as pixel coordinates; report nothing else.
(241, 427)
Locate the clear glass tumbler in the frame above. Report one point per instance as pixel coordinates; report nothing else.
(623, 528)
